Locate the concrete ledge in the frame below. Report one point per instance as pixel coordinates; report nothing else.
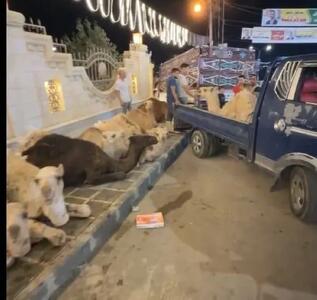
(55, 277)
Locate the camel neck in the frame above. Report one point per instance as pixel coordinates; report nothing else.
(129, 162)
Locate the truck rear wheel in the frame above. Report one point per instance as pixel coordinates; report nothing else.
(303, 194)
(214, 145)
(200, 143)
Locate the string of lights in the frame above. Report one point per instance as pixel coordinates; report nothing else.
(144, 19)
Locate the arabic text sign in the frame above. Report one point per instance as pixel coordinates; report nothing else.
(284, 35)
(295, 17)
(55, 96)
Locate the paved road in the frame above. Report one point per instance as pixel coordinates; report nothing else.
(226, 237)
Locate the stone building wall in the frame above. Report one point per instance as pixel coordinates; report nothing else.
(31, 62)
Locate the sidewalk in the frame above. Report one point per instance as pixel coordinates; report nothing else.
(45, 271)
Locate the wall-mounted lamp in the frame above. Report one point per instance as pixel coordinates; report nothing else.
(137, 38)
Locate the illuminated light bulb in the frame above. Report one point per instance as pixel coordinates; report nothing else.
(197, 8)
(268, 48)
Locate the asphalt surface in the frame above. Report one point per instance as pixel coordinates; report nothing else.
(225, 237)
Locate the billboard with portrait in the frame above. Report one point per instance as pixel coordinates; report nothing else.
(295, 17)
(246, 34)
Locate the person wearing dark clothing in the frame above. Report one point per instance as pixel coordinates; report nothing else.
(172, 92)
(221, 97)
(272, 18)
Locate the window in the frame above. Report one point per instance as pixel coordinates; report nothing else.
(308, 86)
(285, 78)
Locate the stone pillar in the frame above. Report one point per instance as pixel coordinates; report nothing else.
(137, 62)
(16, 50)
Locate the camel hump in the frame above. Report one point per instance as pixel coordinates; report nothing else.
(91, 130)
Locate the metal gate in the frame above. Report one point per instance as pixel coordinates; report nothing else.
(100, 67)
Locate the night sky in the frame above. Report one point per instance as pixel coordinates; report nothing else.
(59, 18)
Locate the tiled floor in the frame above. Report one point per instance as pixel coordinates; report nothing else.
(99, 198)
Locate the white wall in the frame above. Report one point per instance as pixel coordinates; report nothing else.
(137, 61)
(31, 62)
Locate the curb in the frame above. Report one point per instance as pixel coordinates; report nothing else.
(51, 282)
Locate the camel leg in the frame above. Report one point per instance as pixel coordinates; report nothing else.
(78, 210)
(95, 179)
(39, 231)
(10, 260)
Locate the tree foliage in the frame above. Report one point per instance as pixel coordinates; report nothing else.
(88, 36)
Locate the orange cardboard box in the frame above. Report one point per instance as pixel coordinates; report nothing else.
(155, 220)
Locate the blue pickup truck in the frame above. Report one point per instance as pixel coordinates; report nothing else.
(282, 136)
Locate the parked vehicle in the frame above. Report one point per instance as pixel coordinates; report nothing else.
(282, 136)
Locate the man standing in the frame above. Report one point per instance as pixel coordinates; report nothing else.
(172, 94)
(239, 86)
(122, 90)
(184, 90)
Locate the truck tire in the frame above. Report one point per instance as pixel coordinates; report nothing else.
(214, 145)
(200, 143)
(303, 194)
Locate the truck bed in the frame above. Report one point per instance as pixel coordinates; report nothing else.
(230, 130)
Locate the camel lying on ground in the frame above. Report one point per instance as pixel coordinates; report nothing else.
(145, 120)
(22, 232)
(119, 122)
(33, 193)
(157, 108)
(113, 143)
(41, 191)
(83, 161)
(153, 152)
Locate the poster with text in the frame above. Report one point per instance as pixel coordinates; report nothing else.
(284, 35)
(295, 17)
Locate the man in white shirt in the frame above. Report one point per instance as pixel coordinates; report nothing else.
(184, 90)
(122, 90)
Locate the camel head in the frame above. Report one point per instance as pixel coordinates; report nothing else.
(143, 141)
(49, 183)
(18, 235)
(159, 132)
(149, 106)
(116, 143)
(113, 136)
(31, 138)
(146, 107)
(118, 138)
